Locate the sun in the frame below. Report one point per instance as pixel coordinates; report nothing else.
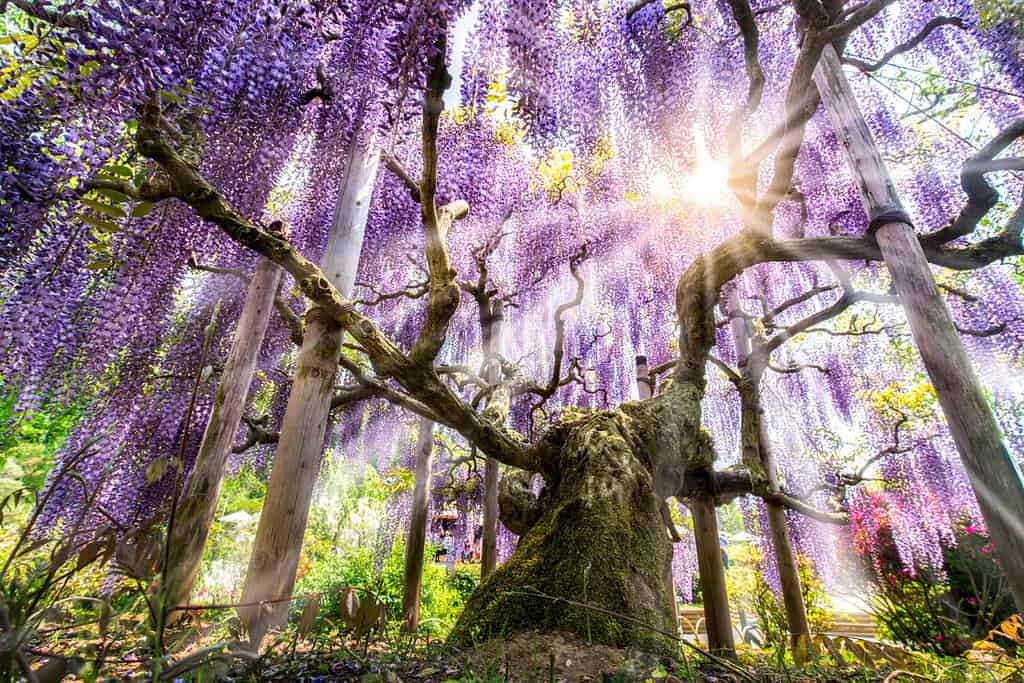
(707, 184)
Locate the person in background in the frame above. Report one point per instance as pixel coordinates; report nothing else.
(449, 549)
(441, 550)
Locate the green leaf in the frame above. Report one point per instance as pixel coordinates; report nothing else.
(98, 264)
(156, 470)
(106, 209)
(170, 96)
(88, 67)
(113, 195)
(119, 170)
(142, 209)
(106, 226)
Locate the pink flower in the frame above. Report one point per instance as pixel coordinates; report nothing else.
(969, 529)
(988, 547)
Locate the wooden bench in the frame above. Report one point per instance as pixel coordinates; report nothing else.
(691, 623)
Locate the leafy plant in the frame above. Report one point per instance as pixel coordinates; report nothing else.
(747, 582)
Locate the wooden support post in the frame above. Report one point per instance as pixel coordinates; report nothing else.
(412, 576)
(717, 619)
(489, 542)
(278, 544)
(993, 472)
(754, 442)
(644, 389)
(202, 488)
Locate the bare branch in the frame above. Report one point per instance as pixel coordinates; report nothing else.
(910, 44)
(981, 196)
(443, 296)
(990, 331)
(147, 192)
(324, 91)
(233, 272)
(416, 290)
(258, 433)
(744, 16)
(556, 380)
(674, 7)
(294, 323)
(791, 369)
(730, 374)
(388, 360)
(803, 508)
(395, 167)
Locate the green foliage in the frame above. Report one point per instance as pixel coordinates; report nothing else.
(730, 519)
(994, 12)
(28, 442)
(464, 579)
(978, 593)
(442, 596)
(747, 585)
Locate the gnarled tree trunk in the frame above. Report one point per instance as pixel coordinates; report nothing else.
(596, 535)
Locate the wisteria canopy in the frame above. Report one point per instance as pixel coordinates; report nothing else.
(616, 178)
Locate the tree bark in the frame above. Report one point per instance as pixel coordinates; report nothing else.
(644, 390)
(994, 474)
(489, 542)
(717, 619)
(597, 536)
(759, 459)
(278, 545)
(202, 488)
(412, 576)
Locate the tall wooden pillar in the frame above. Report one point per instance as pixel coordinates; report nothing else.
(489, 542)
(754, 442)
(993, 472)
(278, 545)
(202, 488)
(412, 575)
(717, 619)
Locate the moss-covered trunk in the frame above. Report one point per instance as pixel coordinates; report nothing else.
(597, 537)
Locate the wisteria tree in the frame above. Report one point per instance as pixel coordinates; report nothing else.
(615, 179)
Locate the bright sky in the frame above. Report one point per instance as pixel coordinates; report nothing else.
(460, 34)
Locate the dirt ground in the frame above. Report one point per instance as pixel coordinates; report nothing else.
(535, 657)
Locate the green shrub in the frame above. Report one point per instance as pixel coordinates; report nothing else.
(442, 595)
(465, 579)
(936, 609)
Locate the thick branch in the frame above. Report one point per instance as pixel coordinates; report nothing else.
(443, 298)
(387, 359)
(981, 196)
(744, 185)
